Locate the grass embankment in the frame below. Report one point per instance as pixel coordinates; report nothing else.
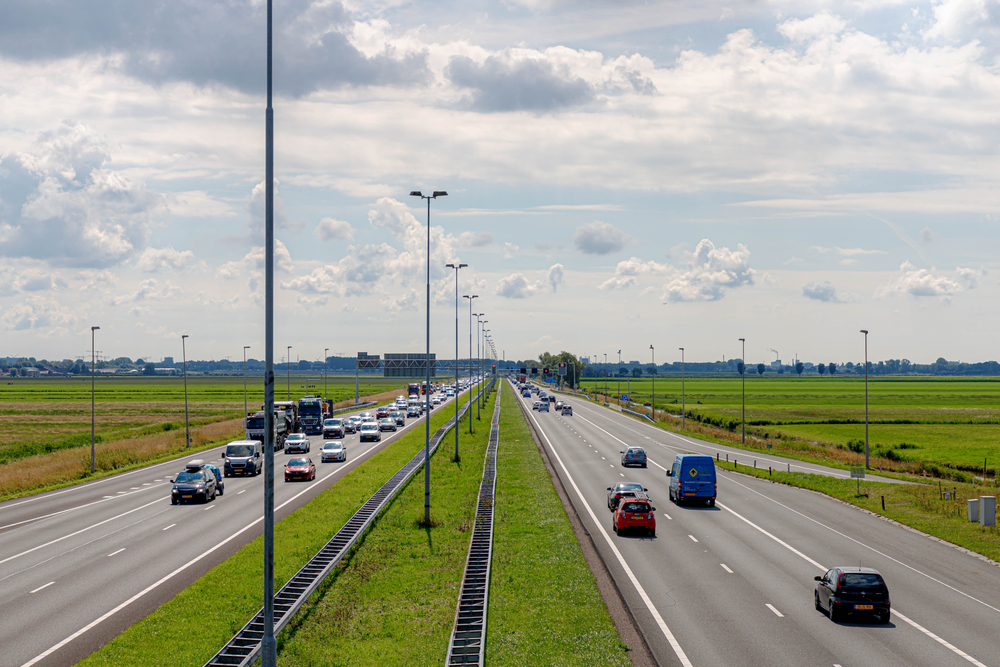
(947, 427)
(545, 608)
(66, 466)
(187, 631)
(919, 506)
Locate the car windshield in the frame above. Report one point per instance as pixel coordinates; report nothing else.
(369, 427)
(636, 507)
(255, 422)
(189, 477)
(332, 446)
(332, 422)
(630, 487)
(298, 462)
(296, 436)
(861, 580)
(239, 450)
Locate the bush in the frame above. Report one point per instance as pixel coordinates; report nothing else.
(856, 446)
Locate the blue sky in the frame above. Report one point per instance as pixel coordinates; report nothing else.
(620, 175)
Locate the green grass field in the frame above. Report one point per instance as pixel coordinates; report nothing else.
(38, 415)
(953, 422)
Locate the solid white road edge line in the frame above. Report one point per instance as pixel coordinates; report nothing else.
(822, 568)
(140, 594)
(859, 543)
(621, 560)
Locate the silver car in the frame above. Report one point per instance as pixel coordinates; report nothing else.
(333, 451)
(297, 442)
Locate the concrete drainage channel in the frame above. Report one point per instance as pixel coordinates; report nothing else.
(244, 648)
(468, 638)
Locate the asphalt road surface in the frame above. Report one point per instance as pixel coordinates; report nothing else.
(733, 584)
(79, 565)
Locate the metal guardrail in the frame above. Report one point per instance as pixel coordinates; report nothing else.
(467, 645)
(638, 414)
(354, 407)
(244, 648)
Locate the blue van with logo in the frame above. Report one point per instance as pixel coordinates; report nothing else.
(692, 478)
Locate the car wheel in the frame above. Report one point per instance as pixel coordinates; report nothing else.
(173, 501)
(652, 532)
(643, 465)
(819, 607)
(711, 502)
(222, 491)
(883, 618)
(834, 616)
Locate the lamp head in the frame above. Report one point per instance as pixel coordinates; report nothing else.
(743, 340)
(94, 328)
(439, 193)
(864, 331)
(416, 193)
(184, 336)
(462, 266)
(450, 266)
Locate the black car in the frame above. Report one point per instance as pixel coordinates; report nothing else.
(192, 485)
(400, 417)
(852, 592)
(623, 490)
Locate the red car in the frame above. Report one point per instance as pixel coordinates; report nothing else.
(382, 413)
(300, 468)
(635, 513)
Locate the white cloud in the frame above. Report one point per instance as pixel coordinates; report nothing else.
(556, 277)
(516, 286)
(955, 20)
(61, 205)
(330, 229)
(474, 239)
(159, 259)
(147, 290)
(510, 250)
(815, 27)
(821, 291)
(847, 252)
(922, 283)
(627, 271)
(37, 312)
(253, 262)
(599, 238)
(926, 235)
(710, 271)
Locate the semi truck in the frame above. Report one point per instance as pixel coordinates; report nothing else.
(291, 412)
(256, 427)
(413, 389)
(311, 415)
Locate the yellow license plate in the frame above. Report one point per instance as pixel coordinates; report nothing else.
(864, 606)
(186, 496)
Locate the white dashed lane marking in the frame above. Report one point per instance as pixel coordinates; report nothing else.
(776, 612)
(726, 568)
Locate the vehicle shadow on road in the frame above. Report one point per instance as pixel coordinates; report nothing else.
(698, 508)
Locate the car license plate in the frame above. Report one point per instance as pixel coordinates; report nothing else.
(186, 496)
(864, 606)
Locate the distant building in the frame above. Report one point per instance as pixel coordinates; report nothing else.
(168, 361)
(776, 364)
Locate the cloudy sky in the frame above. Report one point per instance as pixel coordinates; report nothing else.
(620, 174)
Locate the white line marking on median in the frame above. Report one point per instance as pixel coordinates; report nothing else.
(693, 538)
(209, 507)
(621, 560)
(776, 612)
(726, 568)
(41, 587)
(115, 553)
(170, 526)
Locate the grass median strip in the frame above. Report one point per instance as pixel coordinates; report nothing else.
(393, 600)
(920, 506)
(190, 628)
(544, 606)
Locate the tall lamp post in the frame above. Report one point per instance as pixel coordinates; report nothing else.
(93, 359)
(482, 356)
(476, 360)
(865, 332)
(682, 387)
(427, 360)
(470, 297)
(245, 348)
(288, 373)
(457, 267)
(326, 355)
(268, 645)
(605, 378)
(652, 354)
(743, 374)
(619, 374)
(187, 430)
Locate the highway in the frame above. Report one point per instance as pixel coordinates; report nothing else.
(81, 564)
(733, 584)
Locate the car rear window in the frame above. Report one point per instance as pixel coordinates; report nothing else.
(298, 462)
(636, 507)
(629, 487)
(861, 580)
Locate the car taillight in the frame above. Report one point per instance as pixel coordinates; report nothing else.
(842, 581)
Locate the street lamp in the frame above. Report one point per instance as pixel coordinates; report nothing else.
(605, 378)
(478, 339)
(187, 430)
(470, 298)
(245, 348)
(427, 360)
(652, 354)
(92, 375)
(865, 332)
(619, 374)
(326, 356)
(456, 267)
(743, 373)
(288, 373)
(682, 387)
(481, 353)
